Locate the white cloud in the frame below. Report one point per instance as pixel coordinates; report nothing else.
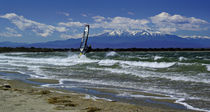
(71, 24)
(64, 13)
(61, 29)
(195, 36)
(167, 30)
(98, 18)
(84, 15)
(70, 19)
(163, 22)
(131, 13)
(167, 23)
(7, 34)
(11, 30)
(71, 36)
(119, 23)
(10, 33)
(26, 24)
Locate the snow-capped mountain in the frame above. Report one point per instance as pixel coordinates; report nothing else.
(145, 39)
(118, 33)
(124, 39)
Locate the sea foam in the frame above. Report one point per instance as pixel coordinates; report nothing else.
(149, 64)
(208, 67)
(157, 57)
(109, 62)
(181, 101)
(112, 53)
(182, 58)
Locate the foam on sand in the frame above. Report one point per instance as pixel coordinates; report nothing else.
(126, 94)
(95, 98)
(177, 100)
(181, 101)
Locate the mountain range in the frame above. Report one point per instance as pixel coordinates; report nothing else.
(123, 39)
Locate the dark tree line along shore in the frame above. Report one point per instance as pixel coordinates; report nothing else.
(148, 49)
(33, 49)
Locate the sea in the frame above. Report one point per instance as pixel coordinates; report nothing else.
(133, 77)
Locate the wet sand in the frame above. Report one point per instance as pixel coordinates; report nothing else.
(17, 96)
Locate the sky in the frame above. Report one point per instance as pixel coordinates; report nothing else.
(32, 21)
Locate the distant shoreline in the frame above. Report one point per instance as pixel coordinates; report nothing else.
(33, 49)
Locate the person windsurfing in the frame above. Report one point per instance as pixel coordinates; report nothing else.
(83, 46)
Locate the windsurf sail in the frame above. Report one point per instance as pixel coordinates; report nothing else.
(83, 45)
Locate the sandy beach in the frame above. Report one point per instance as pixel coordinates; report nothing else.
(17, 96)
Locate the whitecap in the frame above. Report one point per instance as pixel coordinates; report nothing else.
(112, 53)
(208, 67)
(157, 57)
(182, 58)
(148, 64)
(143, 74)
(107, 62)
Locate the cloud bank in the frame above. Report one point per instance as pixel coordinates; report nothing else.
(36, 27)
(166, 23)
(10, 32)
(163, 23)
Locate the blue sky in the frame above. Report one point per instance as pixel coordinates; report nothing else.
(47, 20)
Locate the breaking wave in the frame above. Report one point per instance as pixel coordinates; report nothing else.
(157, 58)
(112, 53)
(109, 62)
(166, 73)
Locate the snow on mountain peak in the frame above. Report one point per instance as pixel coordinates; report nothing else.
(133, 33)
(116, 32)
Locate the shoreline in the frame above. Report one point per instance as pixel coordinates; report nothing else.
(86, 76)
(24, 96)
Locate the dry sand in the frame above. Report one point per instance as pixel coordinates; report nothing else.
(17, 96)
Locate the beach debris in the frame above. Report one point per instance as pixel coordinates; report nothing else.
(70, 105)
(44, 92)
(63, 101)
(38, 92)
(58, 100)
(19, 90)
(5, 87)
(60, 108)
(31, 91)
(92, 109)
